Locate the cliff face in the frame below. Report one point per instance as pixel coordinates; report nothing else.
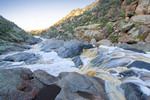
(11, 35)
(124, 21)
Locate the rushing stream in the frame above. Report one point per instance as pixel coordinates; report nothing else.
(49, 61)
(109, 69)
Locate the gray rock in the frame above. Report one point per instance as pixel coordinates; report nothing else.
(114, 63)
(128, 73)
(133, 92)
(77, 60)
(26, 57)
(140, 65)
(129, 47)
(134, 32)
(44, 77)
(104, 42)
(144, 46)
(52, 44)
(31, 40)
(143, 19)
(84, 87)
(73, 48)
(18, 84)
(93, 42)
(105, 62)
(127, 27)
(48, 93)
(98, 61)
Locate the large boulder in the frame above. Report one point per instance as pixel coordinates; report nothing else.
(133, 92)
(143, 31)
(126, 39)
(52, 44)
(142, 7)
(26, 57)
(105, 62)
(87, 33)
(73, 48)
(18, 84)
(127, 27)
(31, 40)
(140, 65)
(144, 46)
(45, 77)
(143, 19)
(80, 87)
(134, 32)
(130, 47)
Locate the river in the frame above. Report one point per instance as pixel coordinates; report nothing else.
(53, 64)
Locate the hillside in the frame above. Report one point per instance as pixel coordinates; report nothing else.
(125, 21)
(11, 35)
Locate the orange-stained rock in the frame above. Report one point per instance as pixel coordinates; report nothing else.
(125, 39)
(91, 73)
(131, 8)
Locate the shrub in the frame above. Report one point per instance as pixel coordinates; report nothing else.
(118, 21)
(110, 27)
(102, 24)
(114, 38)
(137, 26)
(128, 2)
(85, 28)
(138, 37)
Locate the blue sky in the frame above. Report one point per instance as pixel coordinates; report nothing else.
(38, 14)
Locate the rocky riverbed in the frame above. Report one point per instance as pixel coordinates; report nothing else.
(74, 70)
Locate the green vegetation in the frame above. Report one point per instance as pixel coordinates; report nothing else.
(128, 2)
(138, 37)
(85, 28)
(114, 38)
(106, 11)
(137, 26)
(110, 27)
(11, 34)
(118, 21)
(102, 24)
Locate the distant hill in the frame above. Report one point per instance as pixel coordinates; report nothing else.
(35, 32)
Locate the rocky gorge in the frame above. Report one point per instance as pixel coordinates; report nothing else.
(101, 52)
(74, 70)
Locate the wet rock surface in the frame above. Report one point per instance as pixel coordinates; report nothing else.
(77, 60)
(18, 83)
(140, 65)
(67, 49)
(48, 93)
(133, 92)
(130, 47)
(128, 73)
(26, 57)
(50, 45)
(77, 86)
(73, 48)
(45, 78)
